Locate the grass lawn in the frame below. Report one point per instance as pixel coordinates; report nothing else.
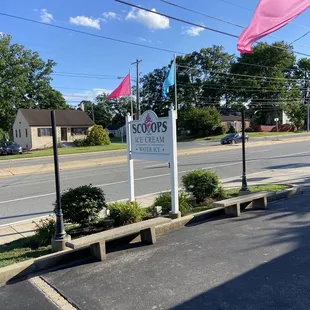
(19, 250)
(68, 151)
(230, 193)
(250, 134)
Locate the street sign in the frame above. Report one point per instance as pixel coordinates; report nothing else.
(151, 138)
(276, 119)
(154, 139)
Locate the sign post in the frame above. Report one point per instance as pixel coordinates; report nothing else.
(154, 139)
(131, 178)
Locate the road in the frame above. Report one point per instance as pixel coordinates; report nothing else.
(30, 196)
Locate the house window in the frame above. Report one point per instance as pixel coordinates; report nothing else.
(26, 132)
(79, 131)
(20, 133)
(44, 132)
(16, 133)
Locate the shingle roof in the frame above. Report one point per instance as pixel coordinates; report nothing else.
(231, 118)
(40, 117)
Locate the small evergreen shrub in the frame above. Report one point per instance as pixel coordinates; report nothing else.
(98, 136)
(82, 205)
(202, 184)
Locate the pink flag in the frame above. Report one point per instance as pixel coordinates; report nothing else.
(269, 16)
(122, 90)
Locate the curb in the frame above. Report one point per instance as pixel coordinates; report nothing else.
(21, 271)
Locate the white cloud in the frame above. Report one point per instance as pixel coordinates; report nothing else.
(150, 20)
(144, 40)
(85, 21)
(193, 31)
(110, 15)
(46, 17)
(86, 95)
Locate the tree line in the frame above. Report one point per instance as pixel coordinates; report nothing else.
(269, 80)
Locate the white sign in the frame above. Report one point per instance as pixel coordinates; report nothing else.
(155, 139)
(151, 137)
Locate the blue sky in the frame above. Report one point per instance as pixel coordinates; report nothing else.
(77, 53)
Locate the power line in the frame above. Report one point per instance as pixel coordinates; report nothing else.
(196, 25)
(177, 19)
(91, 34)
(122, 41)
(202, 14)
(227, 22)
(249, 9)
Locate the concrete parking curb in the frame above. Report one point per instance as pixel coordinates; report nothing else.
(26, 268)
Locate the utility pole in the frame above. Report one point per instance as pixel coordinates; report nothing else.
(137, 62)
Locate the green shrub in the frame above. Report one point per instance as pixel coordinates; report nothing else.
(98, 136)
(249, 129)
(82, 205)
(44, 232)
(164, 201)
(202, 184)
(125, 212)
(80, 142)
(219, 130)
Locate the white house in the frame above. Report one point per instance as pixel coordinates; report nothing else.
(32, 127)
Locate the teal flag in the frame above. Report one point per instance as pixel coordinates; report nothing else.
(169, 81)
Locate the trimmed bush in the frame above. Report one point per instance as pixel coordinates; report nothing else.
(202, 184)
(82, 205)
(98, 136)
(219, 130)
(125, 212)
(164, 201)
(44, 232)
(80, 142)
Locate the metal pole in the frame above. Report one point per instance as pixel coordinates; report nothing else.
(131, 178)
(131, 105)
(137, 87)
(60, 231)
(175, 84)
(244, 187)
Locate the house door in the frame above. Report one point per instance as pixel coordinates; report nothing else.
(64, 134)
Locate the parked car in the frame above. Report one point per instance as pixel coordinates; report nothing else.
(234, 138)
(10, 148)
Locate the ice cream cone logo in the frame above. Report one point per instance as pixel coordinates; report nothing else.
(148, 123)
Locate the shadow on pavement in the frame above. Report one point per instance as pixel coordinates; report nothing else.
(282, 283)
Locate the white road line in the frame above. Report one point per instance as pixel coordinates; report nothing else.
(155, 176)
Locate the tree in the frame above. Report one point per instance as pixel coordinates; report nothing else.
(201, 121)
(296, 113)
(261, 79)
(24, 82)
(88, 108)
(102, 110)
(201, 81)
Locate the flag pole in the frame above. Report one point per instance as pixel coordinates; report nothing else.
(131, 105)
(175, 84)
